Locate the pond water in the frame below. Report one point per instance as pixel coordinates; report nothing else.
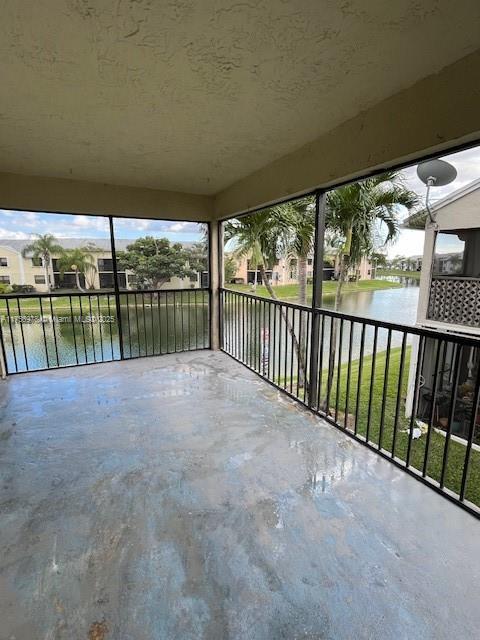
(58, 335)
(150, 328)
(390, 305)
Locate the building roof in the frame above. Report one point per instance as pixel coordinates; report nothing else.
(103, 244)
(417, 220)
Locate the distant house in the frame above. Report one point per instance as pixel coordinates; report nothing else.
(449, 299)
(285, 271)
(19, 270)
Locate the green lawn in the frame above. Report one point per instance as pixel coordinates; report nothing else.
(61, 304)
(399, 272)
(289, 292)
(456, 451)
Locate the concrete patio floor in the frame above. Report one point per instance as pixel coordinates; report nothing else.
(182, 497)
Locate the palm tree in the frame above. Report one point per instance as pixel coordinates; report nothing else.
(354, 212)
(80, 261)
(42, 249)
(298, 236)
(257, 237)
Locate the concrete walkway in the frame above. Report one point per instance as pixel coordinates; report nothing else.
(182, 497)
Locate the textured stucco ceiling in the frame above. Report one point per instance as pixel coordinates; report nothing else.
(192, 96)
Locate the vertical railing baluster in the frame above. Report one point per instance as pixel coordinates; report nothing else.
(42, 322)
(152, 323)
(359, 379)
(418, 373)
(92, 328)
(440, 344)
(72, 319)
(100, 327)
(83, 328)
(322, 319)
(451, 412)
(160, 323)
(144, 323)
(339, 369)
(302, 355)
(285, 373)
(2, 343)
(54, 332)
(127, 300)
(372, 383)
(195, 305)
(471, 434)
(20, 320)
(306, 356)
(385, 389)
(399, 391)
(137, 322)
(292, 352)
(167, 322)
(349, 374)
(331, 366)
(11, 335)
(109, 328)
(182, 347)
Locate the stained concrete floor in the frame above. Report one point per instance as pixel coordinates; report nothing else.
(182, 497)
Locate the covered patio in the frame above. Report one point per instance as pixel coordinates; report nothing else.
(184, 497)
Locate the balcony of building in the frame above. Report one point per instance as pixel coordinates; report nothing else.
(228, 466)
(182, 496)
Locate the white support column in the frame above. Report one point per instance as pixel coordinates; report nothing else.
(216, 281)
(426, 272)
(422, 309)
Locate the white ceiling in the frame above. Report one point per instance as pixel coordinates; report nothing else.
(192, 96)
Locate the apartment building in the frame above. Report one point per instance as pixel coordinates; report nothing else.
(17, 269)
(285, 271)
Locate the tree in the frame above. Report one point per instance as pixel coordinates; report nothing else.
(229, 268)
(354, 212)
(257, 237)
(81, 262)
(154, 261)
(379, 259)
(42, 249)
(198, 256)
(298, 233)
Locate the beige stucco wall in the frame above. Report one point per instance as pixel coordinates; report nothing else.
(463, 213)
(32, 193)
(433, 115)
(21, 271)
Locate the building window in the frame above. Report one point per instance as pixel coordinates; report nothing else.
(3, 262)
(37, 262)
(5, 279)
(310, 261)
(105, 264)
(450, 257)
(39, 279)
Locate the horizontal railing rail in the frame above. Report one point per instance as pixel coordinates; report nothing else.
(51, 330)
(79, 294)
(411, 394)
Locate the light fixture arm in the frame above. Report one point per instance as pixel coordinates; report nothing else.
(430, 183)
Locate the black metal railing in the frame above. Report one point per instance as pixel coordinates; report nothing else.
(45, 331)
(409, 393)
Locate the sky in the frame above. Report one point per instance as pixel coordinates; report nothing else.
(467, 164)
(24, 224)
